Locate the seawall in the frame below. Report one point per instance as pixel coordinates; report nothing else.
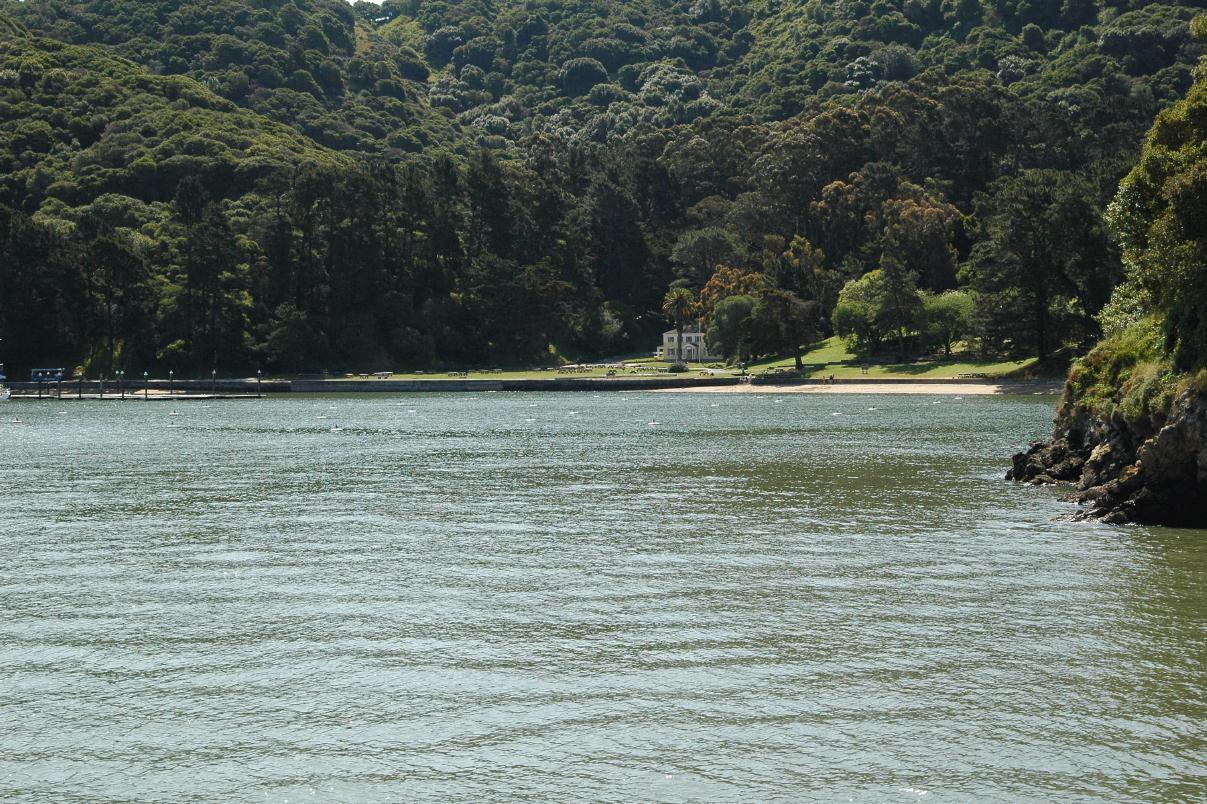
(93, 388)
(559, 384)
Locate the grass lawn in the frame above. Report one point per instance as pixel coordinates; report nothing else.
(831, 354)
(841, 363)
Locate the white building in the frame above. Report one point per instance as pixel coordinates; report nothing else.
(694, 347)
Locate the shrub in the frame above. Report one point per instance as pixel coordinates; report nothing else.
(1128, 371)
(579, 75)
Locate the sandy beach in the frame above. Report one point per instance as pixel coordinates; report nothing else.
(902, 387)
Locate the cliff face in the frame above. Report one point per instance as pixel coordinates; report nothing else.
(1147, 470)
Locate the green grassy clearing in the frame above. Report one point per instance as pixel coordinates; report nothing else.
(831, 354)
(838, 361)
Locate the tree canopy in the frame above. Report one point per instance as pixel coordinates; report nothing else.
(300, 184)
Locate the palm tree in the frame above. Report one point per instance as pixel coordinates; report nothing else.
(679, 305)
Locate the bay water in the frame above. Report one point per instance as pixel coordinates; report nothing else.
(612, 597)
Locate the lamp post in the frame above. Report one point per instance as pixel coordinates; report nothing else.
(213, 382)
(258, 392)
(170, 384)
(144, 386)
(102, 387)
(121, 383)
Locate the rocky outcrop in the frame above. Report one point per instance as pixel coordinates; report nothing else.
(1124, 470)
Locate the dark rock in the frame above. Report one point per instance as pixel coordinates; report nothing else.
(1019, 470)
(1069, 469)
(1126, 471)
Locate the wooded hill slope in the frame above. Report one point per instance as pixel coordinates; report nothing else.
(598, 68)
(294, 184)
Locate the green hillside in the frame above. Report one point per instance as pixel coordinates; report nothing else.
(595, 70)
(294, 184)
(310, 64)
(79, 123)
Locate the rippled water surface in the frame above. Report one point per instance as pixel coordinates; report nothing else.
(545, 597)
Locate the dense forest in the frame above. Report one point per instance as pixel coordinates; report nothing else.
(306, 184)
(1155, 326)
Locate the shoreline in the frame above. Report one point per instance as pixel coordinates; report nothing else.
(158, 390)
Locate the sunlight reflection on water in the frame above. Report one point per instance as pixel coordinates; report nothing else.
(486, 597)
